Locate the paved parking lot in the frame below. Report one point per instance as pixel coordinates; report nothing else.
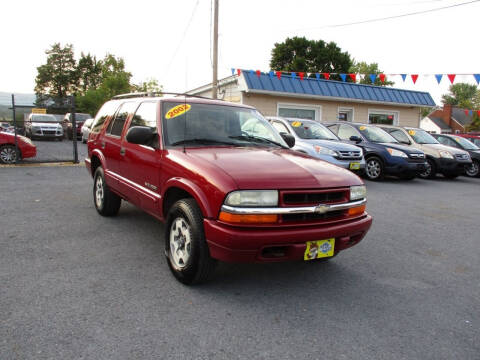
(53, 150)
(75, 285)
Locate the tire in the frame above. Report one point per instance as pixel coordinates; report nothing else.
(430, 170)
(8, 154)
(186, 250)
(374, 169)
(106, 202)
(473, 170)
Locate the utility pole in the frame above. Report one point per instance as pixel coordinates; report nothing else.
(215, 49)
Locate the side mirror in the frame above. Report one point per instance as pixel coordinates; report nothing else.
(289, 139)
(142, 135)
(406, 142)
(356, 138)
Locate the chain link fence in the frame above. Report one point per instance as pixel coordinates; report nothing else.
(34, 134)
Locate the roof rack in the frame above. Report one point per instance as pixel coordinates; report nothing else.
(154, 94)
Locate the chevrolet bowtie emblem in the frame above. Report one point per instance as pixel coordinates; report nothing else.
(321, 209)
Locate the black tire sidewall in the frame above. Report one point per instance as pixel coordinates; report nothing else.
(478, 172)
(382, 168)
(433, 171)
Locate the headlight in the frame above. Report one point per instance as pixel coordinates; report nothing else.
(395, 152)
(446, 154)
(252, 198)
(324, 151)
(358, 192)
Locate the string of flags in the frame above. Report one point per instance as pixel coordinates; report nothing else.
(352, 76)
(471, 112)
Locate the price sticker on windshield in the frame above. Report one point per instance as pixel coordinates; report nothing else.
(177, 111)
(296, 124)
(411, 132)
(362, 127)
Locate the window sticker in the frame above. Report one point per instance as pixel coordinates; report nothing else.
(362, 127)
(177, 111)
(411, 132)
(296, 124)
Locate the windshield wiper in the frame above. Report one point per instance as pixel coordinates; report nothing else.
(203, 141)
(257, 139)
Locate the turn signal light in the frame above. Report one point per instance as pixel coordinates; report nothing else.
(247, 219)
(356, 210)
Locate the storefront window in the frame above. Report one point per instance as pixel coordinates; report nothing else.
(297, 113)
(382, 118)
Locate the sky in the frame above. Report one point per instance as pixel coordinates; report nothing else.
(171, 40)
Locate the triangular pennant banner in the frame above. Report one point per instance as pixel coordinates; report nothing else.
(317, 75)
(404, 77)
(451, 77)
(252, 72)
(301, 74)
(382, 77)
(294, 75)
(478, 112)
(239, 72)
(477, 78)
(414, 78)
(439, 77)
(233, 71)
(271, 74)
(470, 113)
(344, 77)
(326, 76)
(353, 77)
(258, 73)
(373, 77)
(279, 74)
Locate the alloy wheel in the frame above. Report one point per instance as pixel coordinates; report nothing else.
(180, 242)
(473, 169)
(99, 192)
(8, 155)
(373, 168)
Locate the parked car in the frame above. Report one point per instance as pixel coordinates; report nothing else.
(43, 126)
(383, 154)
(87, 125)
(8, 155)
(442, 159)
(226, 189)
(316, 140)
(80, 118)
(472, 170)
(473, 137)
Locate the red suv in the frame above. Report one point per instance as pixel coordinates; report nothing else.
(224, 182)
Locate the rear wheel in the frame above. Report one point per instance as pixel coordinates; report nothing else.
(185, 246)
(8, 154)
(106, 202)
(430, 170)
(473, 170)
(374, 169)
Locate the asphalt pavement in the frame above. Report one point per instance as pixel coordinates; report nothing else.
(49, 150)
(74, 285)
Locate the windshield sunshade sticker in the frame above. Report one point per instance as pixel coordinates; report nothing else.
(362, 128)
(177, 111)
(296, 124)
(411, 132)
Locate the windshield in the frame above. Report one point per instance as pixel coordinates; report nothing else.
(44, 118)
(422, 137)
(467, 145)
(311, 130)
(208, 125)
(376, 135)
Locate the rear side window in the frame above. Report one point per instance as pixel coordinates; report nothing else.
(280, 127)
(399, 135)
(146, 115)
(116, 126)
(346, 131)
(108, 109)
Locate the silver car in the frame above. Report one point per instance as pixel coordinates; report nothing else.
(43, 126)
(86, 127)
(318, 141)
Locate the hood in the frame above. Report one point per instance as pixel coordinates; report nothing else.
(330, 144)
(405, 149)
(442, 147)
(267, 168)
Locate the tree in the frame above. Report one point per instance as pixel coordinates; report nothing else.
(367, 69)
(150, 85)
(475, 124)
(88, 73)
(301, 55)
(57, 78)
(462, 95)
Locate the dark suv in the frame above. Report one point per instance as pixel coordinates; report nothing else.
(383, 154)
(459, 142)
(227, 189)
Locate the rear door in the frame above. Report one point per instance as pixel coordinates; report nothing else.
(141, 164)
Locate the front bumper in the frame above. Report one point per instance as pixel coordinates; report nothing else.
(452, 166)
(345, 163)
(405, 167)
(28, 151)
(257, 244)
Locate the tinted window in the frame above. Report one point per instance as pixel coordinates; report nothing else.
(345, 131)
(108, 109)
(146, 115)
(333, 128)
(280, 127)
(422, 137)
(399, 135)
(312, 130)
(117, 124)
(445, 141)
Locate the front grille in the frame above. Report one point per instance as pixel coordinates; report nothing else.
(417, 156)
(350, 154)
(462, 157)
(312, 217)
(49, 132)
(295, 198)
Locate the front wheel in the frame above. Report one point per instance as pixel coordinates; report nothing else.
(8, 154)
(473, 170)
(374, 169)
(430, 170)
(185, 246)
(106, 202)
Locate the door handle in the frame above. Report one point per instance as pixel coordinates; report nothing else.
(102, 144)
(122, 151)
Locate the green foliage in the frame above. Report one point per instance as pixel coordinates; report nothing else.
(363, 68)
(475, 124)
(150, 85)
(425, 111)
(462, 95)
(88, 73)
(299, 54)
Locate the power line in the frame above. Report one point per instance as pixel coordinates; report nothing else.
(392, 17)
(184, 34)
